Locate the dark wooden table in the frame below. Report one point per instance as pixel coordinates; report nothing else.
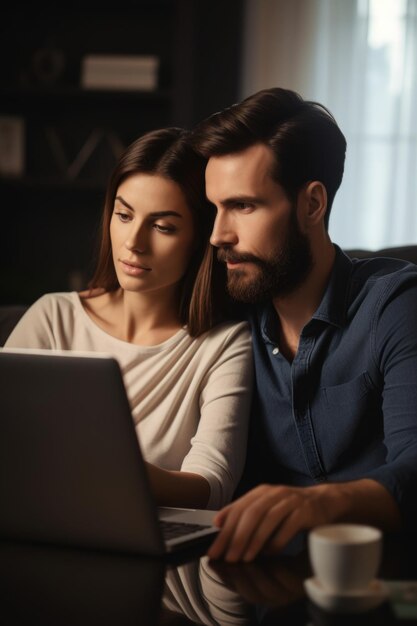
(66, 587)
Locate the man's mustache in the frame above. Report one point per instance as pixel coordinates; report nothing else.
(228, 256)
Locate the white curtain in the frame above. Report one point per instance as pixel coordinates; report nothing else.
(359, 58)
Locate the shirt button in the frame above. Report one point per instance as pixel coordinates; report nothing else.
(275, 351)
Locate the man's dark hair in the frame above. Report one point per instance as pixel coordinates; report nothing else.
(304, 136)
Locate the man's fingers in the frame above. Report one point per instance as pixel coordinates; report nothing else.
(218, 519)
(233, 535)
(240, 522)
(227, 520)
(270, 524)
(301, 518)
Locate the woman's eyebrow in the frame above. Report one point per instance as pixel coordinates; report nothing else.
(166, 214)
(123, 201)
(154, 214)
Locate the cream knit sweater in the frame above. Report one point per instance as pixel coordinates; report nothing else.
(190, 397)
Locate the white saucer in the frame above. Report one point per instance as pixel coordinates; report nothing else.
(350, 602)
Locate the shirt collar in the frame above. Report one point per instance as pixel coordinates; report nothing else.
(333, 306)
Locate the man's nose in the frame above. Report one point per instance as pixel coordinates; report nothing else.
(223, 233)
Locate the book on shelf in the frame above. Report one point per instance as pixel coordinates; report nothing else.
(12, 145)
(121, 72)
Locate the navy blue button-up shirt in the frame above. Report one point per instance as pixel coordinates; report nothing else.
(346, 407)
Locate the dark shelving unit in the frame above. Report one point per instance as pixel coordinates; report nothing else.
(72, 136)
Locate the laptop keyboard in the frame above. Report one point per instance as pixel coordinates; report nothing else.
(172, 530)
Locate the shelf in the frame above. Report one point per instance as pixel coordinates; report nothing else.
(130, 112)
(17, 94)
(51, 184)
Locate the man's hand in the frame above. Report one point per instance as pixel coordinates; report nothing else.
(266, 518)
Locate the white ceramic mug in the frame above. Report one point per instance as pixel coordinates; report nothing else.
(345, 557)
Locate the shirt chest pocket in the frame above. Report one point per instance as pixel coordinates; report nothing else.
(355, 391)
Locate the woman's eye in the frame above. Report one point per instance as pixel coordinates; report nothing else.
(164, 229)
(123, 217)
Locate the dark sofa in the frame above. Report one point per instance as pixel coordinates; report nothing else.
(407, 253)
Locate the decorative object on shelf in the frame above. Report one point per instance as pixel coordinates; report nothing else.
(124, 72)
(48, 65)
(71, 169)
(12, 145)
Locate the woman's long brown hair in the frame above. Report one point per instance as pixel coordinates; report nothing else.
(168, 153)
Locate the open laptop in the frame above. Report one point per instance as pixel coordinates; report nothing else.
(71, 468)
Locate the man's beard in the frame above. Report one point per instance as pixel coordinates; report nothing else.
(279, 275)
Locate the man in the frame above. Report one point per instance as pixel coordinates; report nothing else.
(334, 421)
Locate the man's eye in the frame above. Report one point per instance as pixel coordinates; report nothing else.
(244, 206)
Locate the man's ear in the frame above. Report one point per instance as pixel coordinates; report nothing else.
(313, 204)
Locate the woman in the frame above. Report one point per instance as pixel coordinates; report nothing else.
(155, 303)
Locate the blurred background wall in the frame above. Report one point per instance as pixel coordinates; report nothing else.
(359, 58)
(63, 122)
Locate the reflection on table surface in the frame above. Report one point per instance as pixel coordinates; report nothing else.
(64, 587)
(208, 592)
(271, 591)
(45, 585)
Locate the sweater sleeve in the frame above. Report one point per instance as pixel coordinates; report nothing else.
(35, 329)
(218, 448)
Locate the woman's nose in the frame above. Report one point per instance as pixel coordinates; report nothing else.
(136, 240)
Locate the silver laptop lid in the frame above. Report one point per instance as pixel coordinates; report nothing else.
(71, 471)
